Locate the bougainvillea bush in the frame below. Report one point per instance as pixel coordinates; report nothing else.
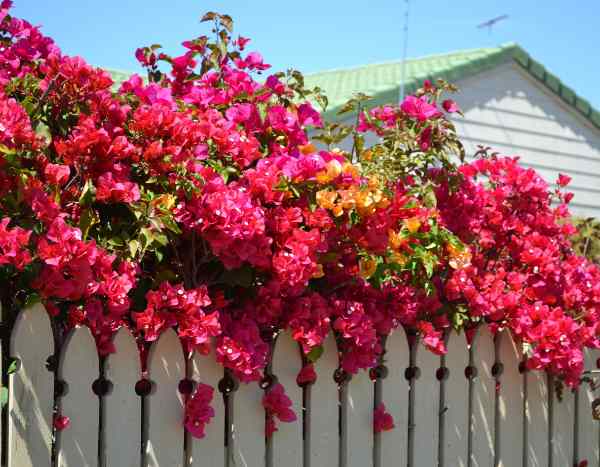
(195, 199)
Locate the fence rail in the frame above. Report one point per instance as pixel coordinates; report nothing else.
(473, 407)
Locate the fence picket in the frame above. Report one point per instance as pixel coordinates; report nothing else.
(3, 410)
(79, 369)
(166, 367)
(510, 403)
(563, 421)
(360, 393)
(588, 430)
(122, 407)
(210, 450)
(394, 394)
(287, 441)
(248, 426)
(455, 446)
(31, 390)
(426, 407)
(537, 419)
(323, 416)
(528, 407)
(483, 389)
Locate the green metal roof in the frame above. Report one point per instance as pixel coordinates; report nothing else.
(382, 80)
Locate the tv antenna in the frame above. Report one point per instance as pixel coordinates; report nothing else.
(405, 48)
(490, 23)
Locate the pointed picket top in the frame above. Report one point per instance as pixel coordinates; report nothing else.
(484, 397)
(78, 445)
(323, 417)
(537, 419)
(287, 441)
(31, 390)
(122, 407)
(510, 402)
(588, 428)
(210, 450)
(394, 394)
(166, 367)
(455, 449)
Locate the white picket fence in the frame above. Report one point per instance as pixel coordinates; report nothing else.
(473, 407)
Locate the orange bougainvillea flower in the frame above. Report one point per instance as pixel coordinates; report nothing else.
(331, 172)
(458, 259)
(398, 258)
(413, 224)
(326, 199)
(350, 169)
(395, 240)
(319, 272)
(368, 266)
(307, 149)
(367, 155)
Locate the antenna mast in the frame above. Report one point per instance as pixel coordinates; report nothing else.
(405, 48)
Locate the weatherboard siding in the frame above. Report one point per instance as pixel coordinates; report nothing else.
(507, 109)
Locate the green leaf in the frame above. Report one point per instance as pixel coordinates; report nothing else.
(315, 353)
(43, 131)
(147, 237)
(3, 396)
(32, 299)
(12, 368)
(209, 16)
(171, 225)
(87, 220)
(347, 107)
(161, 239)
(6, 150)
(134, 246)
(116, 241)
(227, 22)
(87, 194)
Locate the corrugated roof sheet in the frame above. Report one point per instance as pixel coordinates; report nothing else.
(382, 80)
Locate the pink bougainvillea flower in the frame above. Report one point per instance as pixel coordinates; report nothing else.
(450, 106)
(198, 411)
(307, 375)
(419, 108)
(13, 245)
(61, 422)
(382, 420)
(563, 180)
(241, 42)
(277, 405)
(57, 174)
(111, 189)
(307, 115)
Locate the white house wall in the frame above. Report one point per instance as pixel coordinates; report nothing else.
(507, 109)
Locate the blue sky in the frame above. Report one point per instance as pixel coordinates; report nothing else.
(314, 35)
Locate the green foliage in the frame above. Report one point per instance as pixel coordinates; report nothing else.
(586, 241)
